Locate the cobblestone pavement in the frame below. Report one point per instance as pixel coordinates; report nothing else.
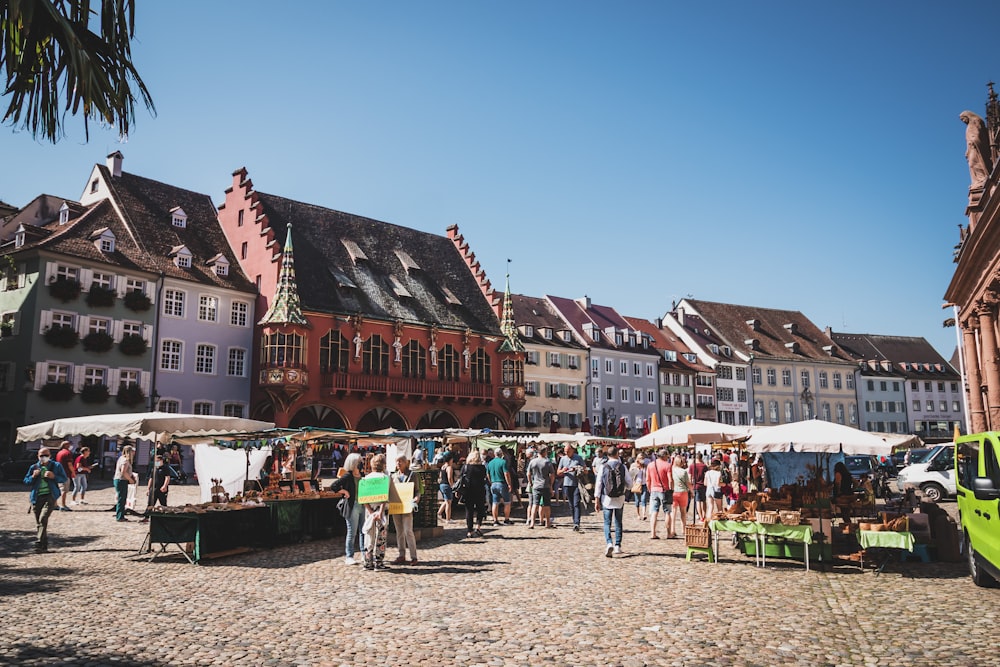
(515, 597)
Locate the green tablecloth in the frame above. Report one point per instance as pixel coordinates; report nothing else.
(885, 539)
(728, 526)
(801, 533)
(211, 532)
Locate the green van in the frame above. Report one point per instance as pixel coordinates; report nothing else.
(977, 481)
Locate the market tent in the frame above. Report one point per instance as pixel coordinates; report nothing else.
(816, 435)
(900, 440)
(690, 432)
(161, 426)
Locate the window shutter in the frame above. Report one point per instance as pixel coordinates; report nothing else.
(151, 292)
(50, 272)
(45, 321)
(3, 281)
(147, 333)
(86, 278)
(41, 368)
(117, 329)
(21, 268)
(144, 382)
(17, 323)
(114, 377)
(82, 325)
(77, 378)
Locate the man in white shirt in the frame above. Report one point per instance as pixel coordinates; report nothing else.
(609, 496)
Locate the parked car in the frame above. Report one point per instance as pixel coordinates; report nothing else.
(934, 476)
(978, 493)
(860, 466)
(917, 455)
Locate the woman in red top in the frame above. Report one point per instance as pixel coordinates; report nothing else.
(82, 465)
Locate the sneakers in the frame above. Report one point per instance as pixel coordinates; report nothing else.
(65, 509)
(508, 522)
(369, 566)
(121, 519)
(84, 502)
(618, 549)
(609, 550)
(414, 561)
(576, 529)
(350, 561)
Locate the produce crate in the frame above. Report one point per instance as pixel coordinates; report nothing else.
(697, 536)
(767, 517)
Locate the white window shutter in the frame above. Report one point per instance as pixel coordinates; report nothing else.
(151, 292)
(117, 327)
(114, 376)
(45, 321)
(50, 272)
(21, 269)
(17, 323)
(3, 282)
(119, 284)
(86, 278)
(41, 369)
(144, 382)
(78, 377)
(147, 333)
(82, 325)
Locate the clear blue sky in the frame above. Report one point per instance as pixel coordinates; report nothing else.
(795, 155)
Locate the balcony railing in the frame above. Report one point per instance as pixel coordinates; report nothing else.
(382, 384)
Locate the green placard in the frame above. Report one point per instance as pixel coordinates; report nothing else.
(373, 490)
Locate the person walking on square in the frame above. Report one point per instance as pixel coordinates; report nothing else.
(569, 468)
(82, 465)
(609, 496)
(374, 528)
(446, 482)
(476, 491)
(44, 478)
(346, 486)
(404, 522)
(542, 474)
(159, 482)
(499, 486)
(123, 477)
(64, 457)
(640, 491)
(697, 473)
(682, 489)
(659, 479)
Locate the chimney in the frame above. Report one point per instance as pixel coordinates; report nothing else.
(115, 164)
(658, 322)
(584, 302)
(754, 324)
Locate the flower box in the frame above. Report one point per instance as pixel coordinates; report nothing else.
(98, 341)
(65, 289)
(56, 391)
(137, 301)
(99, 296)
(132, 345)
(95, 393)
(62, 336)
(129, 395)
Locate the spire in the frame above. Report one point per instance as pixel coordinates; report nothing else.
(511, 343)
(285, 305)
(993, 122)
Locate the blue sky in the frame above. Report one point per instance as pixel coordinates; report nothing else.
(793, 155)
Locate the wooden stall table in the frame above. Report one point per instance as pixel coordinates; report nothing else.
(888, 540)
(799, 533)
(730, 526)
(212, 532)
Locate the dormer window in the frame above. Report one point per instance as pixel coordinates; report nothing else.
(219, 264)
(222, 269)
(529, 331)
(182, 256)
(399, 288)
(407, 261)
(63, 214)
(547, 333)
(19, 237)
(104, 240)
(619, 339)
(567, 336)
(178, 218)
(355, 251)
(450, 297)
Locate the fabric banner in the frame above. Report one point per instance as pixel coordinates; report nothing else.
(401, 498)
(229, 465)
(373, 490)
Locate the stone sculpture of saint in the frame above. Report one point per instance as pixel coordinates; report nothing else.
(977, 150)
(357, 345)
(397, 346)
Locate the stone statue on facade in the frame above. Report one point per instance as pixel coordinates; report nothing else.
(977, 148)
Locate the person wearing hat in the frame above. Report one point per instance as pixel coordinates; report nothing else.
(44, 478)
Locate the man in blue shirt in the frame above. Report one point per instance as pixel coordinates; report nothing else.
(571, 465)
(44, 478)
(499, 475)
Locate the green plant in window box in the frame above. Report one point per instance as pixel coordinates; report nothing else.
(137, 301)
(6, 328)
(97, 341)
(95, 393)
(130, 395)
(101, 297)
(65, 289)
(56, 391)
(61, 335)
(132, 345)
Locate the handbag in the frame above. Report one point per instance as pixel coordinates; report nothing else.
(461, 487)
(344, 507)
(637, 487)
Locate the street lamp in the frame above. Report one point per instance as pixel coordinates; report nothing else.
(154, 400)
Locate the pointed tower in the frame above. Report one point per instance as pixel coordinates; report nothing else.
(283, 340)
(511, 353)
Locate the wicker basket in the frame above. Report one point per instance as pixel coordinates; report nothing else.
(790, 517)
(767, 517)
(697, 536)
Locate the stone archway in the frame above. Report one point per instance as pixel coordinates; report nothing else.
(487, 420)
(318, 416)
(377, 419)
(263, 411)
(437, 419)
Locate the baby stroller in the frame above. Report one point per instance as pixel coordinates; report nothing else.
(177, 474)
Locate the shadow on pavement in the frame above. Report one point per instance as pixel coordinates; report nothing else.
(26, 580)
(22, 542)
(22, 653)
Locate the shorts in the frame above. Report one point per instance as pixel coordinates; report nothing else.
(681, 499)
(658, 501)
(700, 495)
(500, 493)
(446, 491)
(541, 497)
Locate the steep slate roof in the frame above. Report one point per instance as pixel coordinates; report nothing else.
(663, 339)
(911, 356)
(334, 278)
(147, 205)
(730, 323)
(538, 313)
(603, 317)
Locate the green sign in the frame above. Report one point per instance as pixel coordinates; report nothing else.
(373, 489)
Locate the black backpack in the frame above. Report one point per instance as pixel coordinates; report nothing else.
(725, 477)
(614, 480)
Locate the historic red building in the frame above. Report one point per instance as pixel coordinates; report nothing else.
(370, 325)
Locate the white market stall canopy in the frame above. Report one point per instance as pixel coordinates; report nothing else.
(816, 435)
(145, 425)
(691, 432)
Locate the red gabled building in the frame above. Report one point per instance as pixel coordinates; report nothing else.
(370, 325)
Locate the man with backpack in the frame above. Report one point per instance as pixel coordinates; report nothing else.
(609, 495)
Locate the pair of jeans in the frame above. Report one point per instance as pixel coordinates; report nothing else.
(617, 514)
(573, 496)
(353, 520)
(80, 485)
(121, 497)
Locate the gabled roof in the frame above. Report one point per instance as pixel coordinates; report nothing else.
(910, 356)
(766, 332)
(580, 313)
(335, 250)
(539, 314)
(663, 339)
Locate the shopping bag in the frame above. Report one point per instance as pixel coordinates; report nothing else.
(401, 498)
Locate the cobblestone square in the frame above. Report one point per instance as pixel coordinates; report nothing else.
(515, 597)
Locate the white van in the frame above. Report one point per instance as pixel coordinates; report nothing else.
(934, 476)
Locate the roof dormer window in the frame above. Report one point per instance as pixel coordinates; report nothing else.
(178, 218)
(64, 214)
(104, 240)
(19, 238)
(529, 331)
(567, 336)
(407, 261)
(182, 256)
(547, 333)
(355, 251)
(219, 264)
